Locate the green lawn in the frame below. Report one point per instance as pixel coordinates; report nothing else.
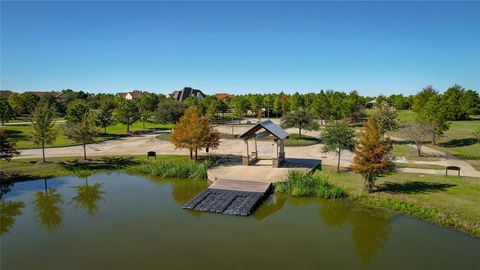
(448, 200)
(165, 136)
(406, 116)
(457, 141)
(410, 153)
(294, 140)
(420, 166)
(22, 133)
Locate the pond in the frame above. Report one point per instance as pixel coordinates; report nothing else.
(119, 221)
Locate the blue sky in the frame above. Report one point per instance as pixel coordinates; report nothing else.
(373, 47)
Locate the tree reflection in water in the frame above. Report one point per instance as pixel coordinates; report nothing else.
(271, 205)
(47, 207)
(9, 210)
(369, 231)
(88, 196)
(185, 189)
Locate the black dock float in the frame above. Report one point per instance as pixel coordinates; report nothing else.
(233, 197)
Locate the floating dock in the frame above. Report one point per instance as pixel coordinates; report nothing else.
(233, 197)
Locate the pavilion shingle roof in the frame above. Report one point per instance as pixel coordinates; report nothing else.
(269, 126)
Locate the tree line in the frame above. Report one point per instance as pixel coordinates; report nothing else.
(456, 103)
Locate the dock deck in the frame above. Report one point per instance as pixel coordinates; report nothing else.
(233, 197)
(241, 185)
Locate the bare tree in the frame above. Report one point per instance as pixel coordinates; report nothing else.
(418, 132)
(476, 134)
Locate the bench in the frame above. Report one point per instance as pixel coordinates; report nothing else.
(151, 154)
(453, 168)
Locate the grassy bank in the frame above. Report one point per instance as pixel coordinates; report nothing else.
(168, 168)
(445, 200)
(306, 184)
(22, 133)
(25, 169)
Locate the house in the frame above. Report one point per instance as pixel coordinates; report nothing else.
(131, 95)
(225, 97)
(186, 92)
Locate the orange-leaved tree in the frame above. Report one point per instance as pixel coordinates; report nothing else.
(372, 154)
(193, 132)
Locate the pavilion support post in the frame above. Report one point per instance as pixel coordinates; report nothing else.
(281, 154)
(256, 148)
(275, 161)
(246, 158)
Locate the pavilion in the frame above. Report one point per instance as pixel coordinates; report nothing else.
(279, 136)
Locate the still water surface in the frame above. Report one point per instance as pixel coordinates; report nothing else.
(118, 221)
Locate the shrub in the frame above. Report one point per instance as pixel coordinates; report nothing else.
(187, 169)
(305, 184)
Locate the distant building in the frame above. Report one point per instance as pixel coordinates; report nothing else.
(224, 97)
(131, 95)
(371, 104)
(186, 92)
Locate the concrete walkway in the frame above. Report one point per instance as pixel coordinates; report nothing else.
(443, 160)
(140, 144)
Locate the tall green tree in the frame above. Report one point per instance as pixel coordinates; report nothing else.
(29, 101)
(239, 105)
(83, 132)
(7, 146)
(452, 99)
(338, 137)
(16, 103)
(256, 102)
(434, 116)
(422, 97)
(296, 101)
(267, 103)
(128, 113)
(76, 112)
(387, 118)
(147, 104)
(470, 102)
(169, 111)
(213, 105)
(301, 119)
(321, 107)
(105, 116)
(6, 112)
(43, 130)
